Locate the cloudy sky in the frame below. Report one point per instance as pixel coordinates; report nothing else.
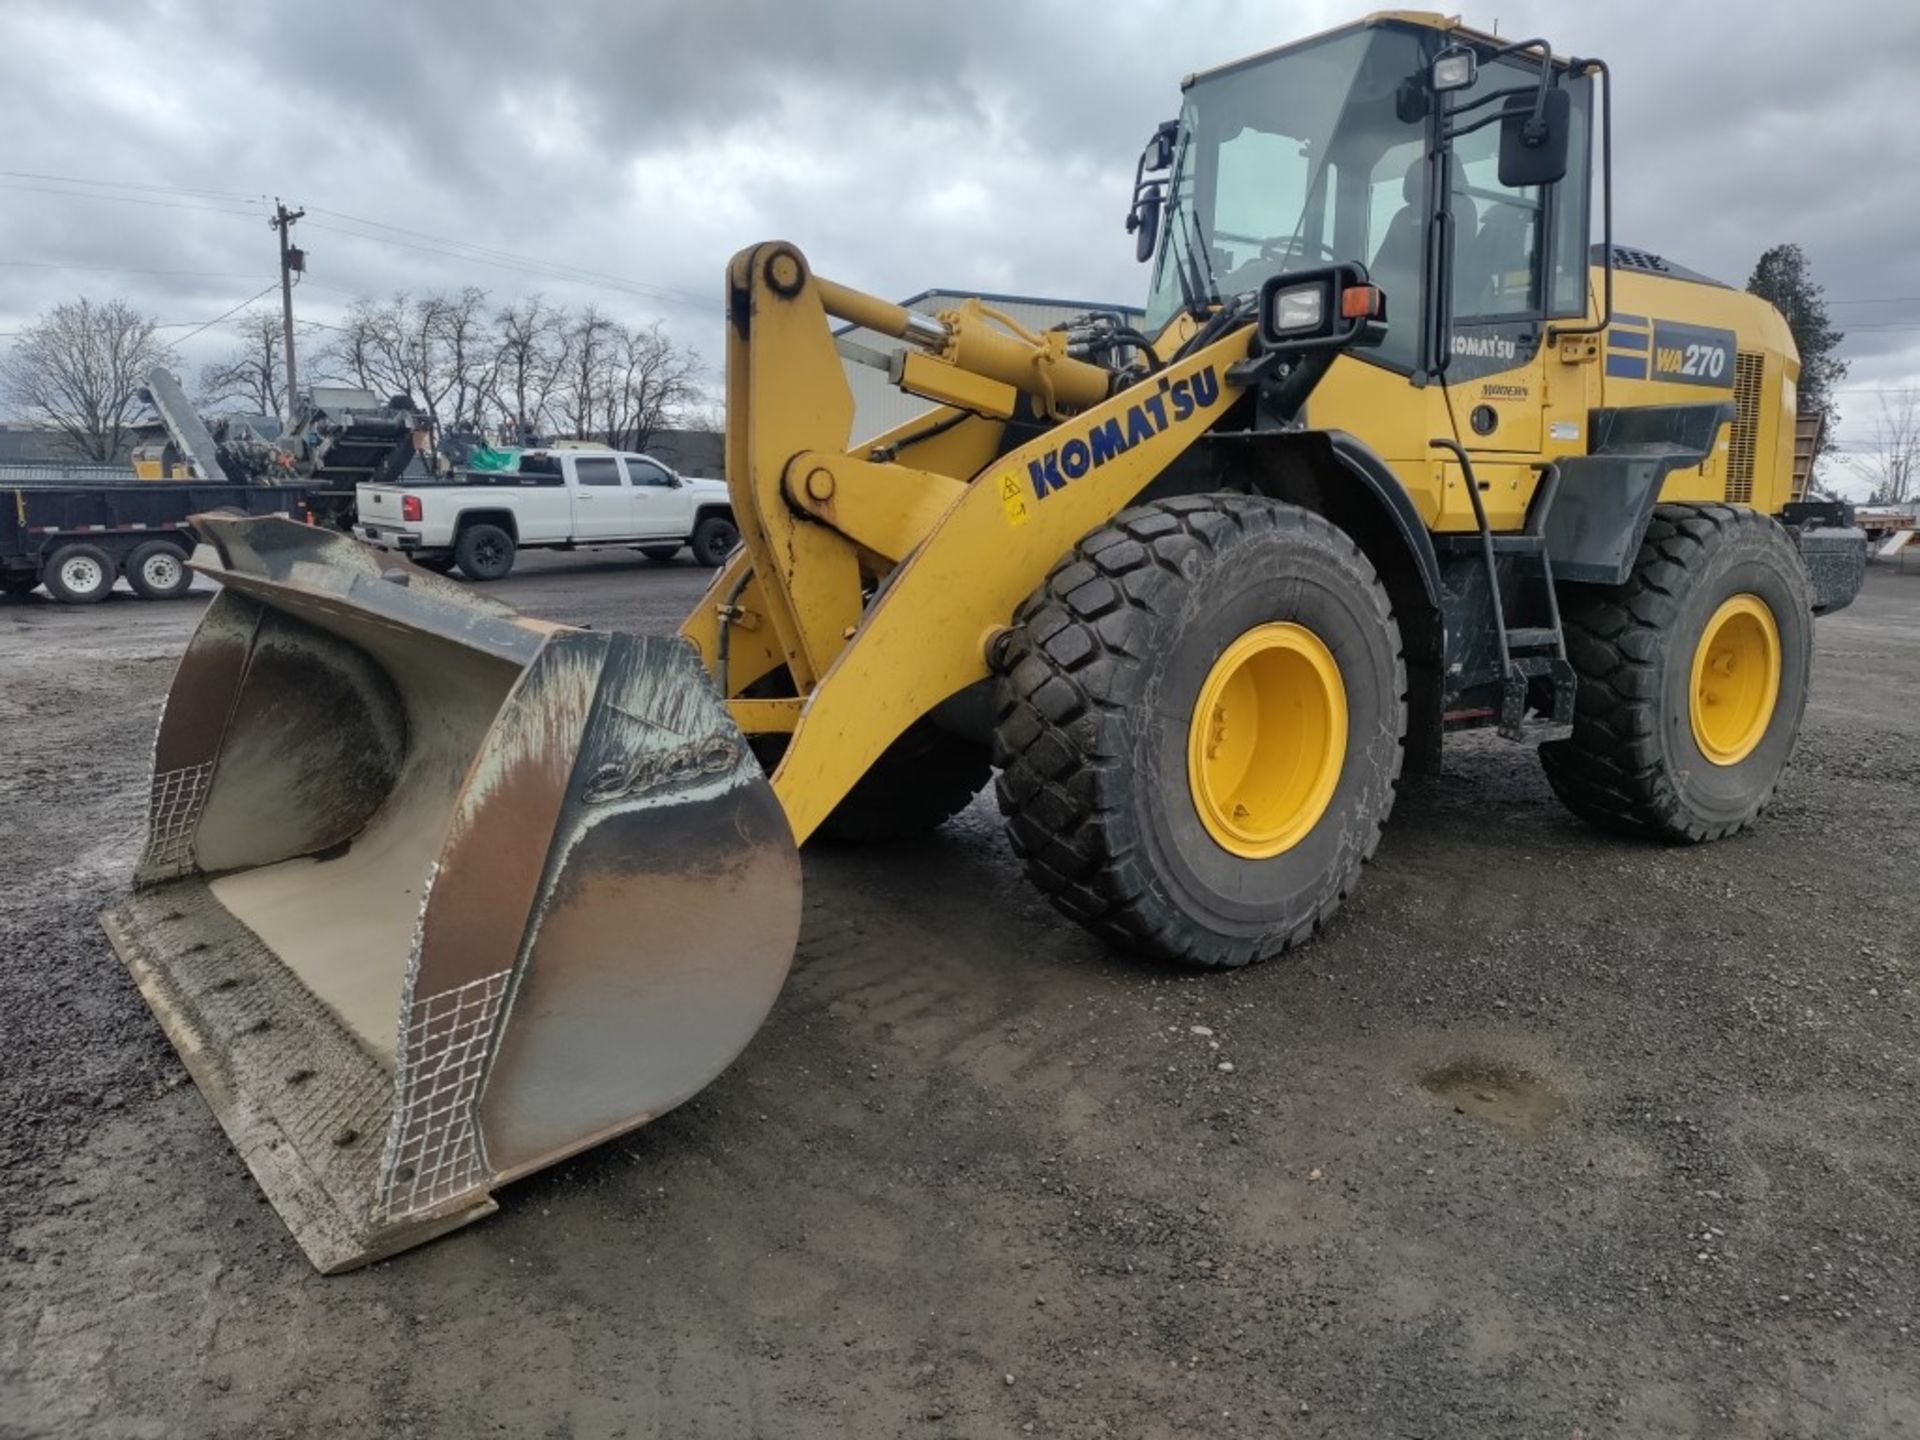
(619, 152)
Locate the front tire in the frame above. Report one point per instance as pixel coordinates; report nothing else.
(1200, 724)
(1693, 678)
(158, 570)
(79, 574)
(484, 552)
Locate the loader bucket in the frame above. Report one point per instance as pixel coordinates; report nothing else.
(434, 895)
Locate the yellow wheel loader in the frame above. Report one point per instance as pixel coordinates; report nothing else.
(436, 894)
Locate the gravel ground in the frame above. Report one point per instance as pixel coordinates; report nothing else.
(1551, 1135)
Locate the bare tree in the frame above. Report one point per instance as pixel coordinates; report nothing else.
(530, 341)
(460, 346)
(254, 374)
(654, 380)
(396, 348)
(1891, 457)
(528, 366)
(592, 350)
(79, 369)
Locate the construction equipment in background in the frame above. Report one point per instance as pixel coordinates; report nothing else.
(1807, 432)
(159, 460)
(435, 895)
(1890, 529)
(338, 438)
(193, 444)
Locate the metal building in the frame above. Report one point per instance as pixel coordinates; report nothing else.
(878, 406)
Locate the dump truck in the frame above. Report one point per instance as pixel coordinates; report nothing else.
(435, 894)
(77, 540)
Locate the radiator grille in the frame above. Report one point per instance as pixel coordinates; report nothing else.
(1747, 369)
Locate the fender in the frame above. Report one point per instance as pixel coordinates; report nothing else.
(1305, 467)
(1371, 471)
(1607, 495)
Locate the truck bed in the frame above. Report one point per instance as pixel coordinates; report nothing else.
(32, 516)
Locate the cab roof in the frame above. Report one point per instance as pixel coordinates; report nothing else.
(1450, 25)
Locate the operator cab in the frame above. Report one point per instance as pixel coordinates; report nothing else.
(1327, 153)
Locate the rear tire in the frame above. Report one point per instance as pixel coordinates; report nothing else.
(1635, 762)
(484, 552)
(660, 554)
(1098, 716)
(158, 570)
(924, 779)
(713, 540)
(79, 574)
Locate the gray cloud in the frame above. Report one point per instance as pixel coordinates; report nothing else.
(903, 146)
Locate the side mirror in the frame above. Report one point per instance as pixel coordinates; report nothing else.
(1144, 222)
(1533, 147)
(1143, 215)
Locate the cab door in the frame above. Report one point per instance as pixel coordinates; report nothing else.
(1498, 293)
(602, 499)
(1520, 266)
(662, 506)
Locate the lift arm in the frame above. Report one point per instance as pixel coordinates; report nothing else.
(870, 644)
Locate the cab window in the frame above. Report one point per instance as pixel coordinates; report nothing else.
(1505, 237)
(645, 472)
(597, 470)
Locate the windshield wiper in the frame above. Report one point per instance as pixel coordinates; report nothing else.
(1200, 284)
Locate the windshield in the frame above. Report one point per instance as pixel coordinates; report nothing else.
(1295, 162)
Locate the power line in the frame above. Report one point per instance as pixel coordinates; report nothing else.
(443, 246)
(126, 199)
(509, 255)
(133, 185)
(218, 318)
(134, 270)
(508, 260)
(538, 271)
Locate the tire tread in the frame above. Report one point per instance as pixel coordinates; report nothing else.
(1070, 667)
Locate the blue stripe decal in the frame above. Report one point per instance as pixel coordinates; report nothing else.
(1620, 318)
(1627, 367)
(1626, 340)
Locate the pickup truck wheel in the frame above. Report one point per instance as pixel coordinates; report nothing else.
(158, 570)
(713, 540)
(660, 553)
(485, 552)
(79, 574)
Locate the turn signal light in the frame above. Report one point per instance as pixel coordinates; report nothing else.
(1362, 302)
(410, 508)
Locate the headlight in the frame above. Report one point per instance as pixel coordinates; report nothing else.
(1302, 308)
(1453, 69)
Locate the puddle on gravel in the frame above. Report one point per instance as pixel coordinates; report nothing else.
(1499, 1092)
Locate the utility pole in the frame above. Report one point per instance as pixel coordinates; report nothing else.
(292, 259)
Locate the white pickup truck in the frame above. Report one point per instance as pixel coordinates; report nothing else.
(556, 500)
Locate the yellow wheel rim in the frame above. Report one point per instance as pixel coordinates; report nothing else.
(1736, 679)
(1267, 740)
